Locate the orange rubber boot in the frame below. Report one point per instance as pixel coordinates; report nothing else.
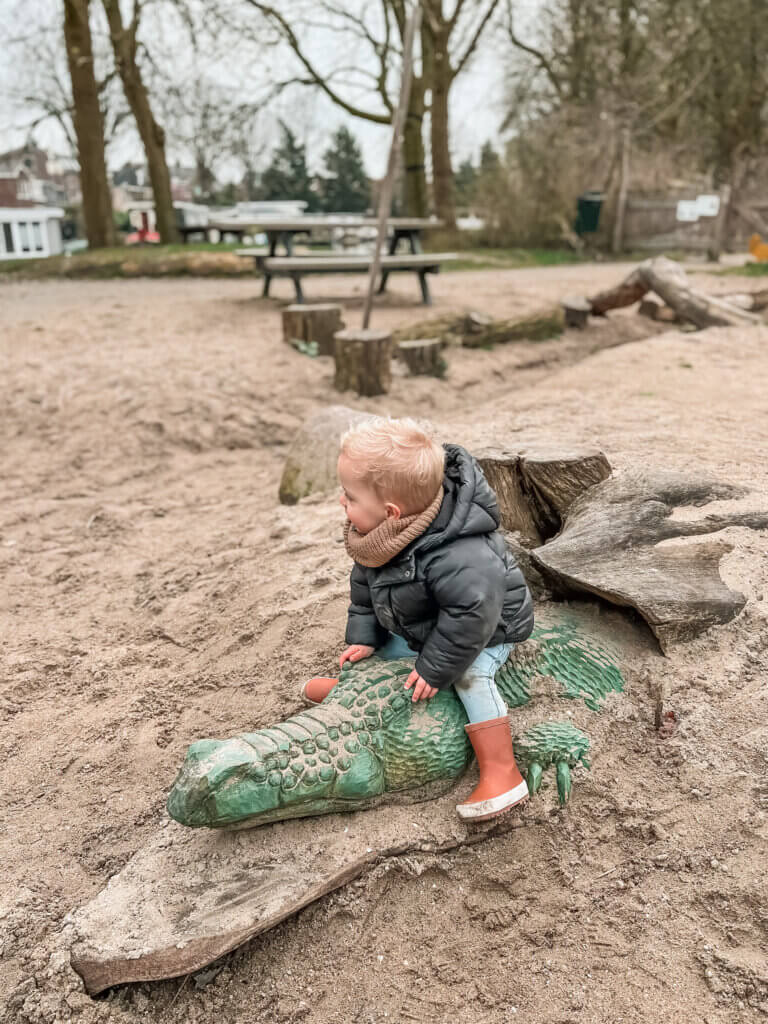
(316, 690)
(501, 785)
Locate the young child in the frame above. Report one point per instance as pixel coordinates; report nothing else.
(433, 579)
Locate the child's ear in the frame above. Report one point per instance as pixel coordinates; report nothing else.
(393, 511)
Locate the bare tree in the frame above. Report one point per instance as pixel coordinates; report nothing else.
(448, 41)
(125, 45)
(88, 125)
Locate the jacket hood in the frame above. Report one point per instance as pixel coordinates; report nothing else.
(469, 506)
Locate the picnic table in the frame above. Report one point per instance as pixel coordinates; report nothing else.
(283, 230)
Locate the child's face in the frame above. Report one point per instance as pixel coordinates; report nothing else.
(364, 508)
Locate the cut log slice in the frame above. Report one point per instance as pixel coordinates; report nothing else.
(318, 322)
(363, 361)
(610, 546)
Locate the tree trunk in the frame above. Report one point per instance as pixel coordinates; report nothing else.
(363, 361)
(152, 134)
(89, 126)
(416, 201)
(442, 172)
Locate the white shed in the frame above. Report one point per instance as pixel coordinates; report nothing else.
(30, 232)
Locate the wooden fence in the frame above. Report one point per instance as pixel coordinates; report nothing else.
(652, 223)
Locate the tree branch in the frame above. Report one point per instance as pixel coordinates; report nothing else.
(472, 45)
(544, 64)
(292, 40)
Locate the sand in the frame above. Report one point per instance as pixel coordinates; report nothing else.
(154, 591)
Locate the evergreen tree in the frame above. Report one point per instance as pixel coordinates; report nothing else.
(287, 176)
(464, 183)
(345, 187)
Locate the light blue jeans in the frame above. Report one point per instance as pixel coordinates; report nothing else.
(476, 689)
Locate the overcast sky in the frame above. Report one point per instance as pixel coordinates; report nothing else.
(477, 106)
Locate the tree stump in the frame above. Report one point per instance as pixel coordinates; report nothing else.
(318, 322)
(535, 488)
(363, 361)
(610, 545)
(423, 356)
(577, 310)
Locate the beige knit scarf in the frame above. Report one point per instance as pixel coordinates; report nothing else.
(388, 539)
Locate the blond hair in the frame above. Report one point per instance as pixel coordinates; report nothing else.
(399, 459)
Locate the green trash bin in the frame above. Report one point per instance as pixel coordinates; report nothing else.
(588, 208)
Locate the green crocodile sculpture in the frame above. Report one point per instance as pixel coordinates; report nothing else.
(368, 742)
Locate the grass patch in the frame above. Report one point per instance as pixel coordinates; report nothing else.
(196, 259)
(205, 259)
(749, 270)
(510, 259)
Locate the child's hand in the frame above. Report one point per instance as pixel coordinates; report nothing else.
(422, 689)
(356, 653)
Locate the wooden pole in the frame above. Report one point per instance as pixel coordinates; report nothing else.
(621, 205)
(718, 228)
(387, 185)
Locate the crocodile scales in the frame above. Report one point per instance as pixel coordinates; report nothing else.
(368, 742)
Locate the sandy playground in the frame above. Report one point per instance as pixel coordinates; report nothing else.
(154, 592)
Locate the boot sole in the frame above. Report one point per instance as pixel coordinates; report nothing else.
(485, 809)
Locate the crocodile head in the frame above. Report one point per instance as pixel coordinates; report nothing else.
(367, 739)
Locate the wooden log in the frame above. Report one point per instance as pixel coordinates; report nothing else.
(536, 487)
(318, 322)
(751, 301)
(363, 361)
(670, 282)
(610, 545)
(577, 310)
(476, 330)
(423, 356)
(540, 326)
(630, 291)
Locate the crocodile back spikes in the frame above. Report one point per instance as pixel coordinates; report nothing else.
(581, 667)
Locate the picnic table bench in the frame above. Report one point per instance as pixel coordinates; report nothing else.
(297, 267)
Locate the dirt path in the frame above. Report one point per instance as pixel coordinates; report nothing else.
(154, 592)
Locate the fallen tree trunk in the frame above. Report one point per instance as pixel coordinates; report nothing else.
(670, 282)
(474, 330)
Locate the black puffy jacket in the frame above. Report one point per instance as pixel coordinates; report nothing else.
(454, 590)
